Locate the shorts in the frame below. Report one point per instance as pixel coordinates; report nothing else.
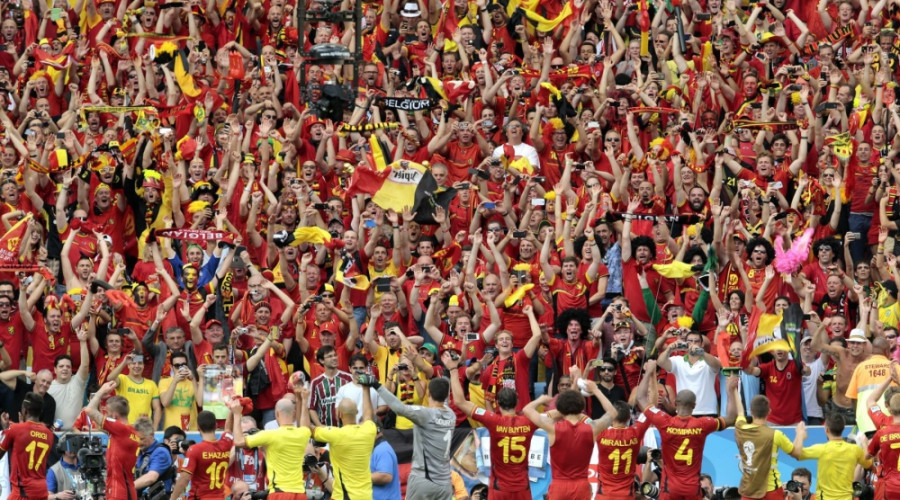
(508, 495)
(562, 489)
(281, 495)
(848, 413)
(776, 494)
(419, 488)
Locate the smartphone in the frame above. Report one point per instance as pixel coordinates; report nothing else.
(479, 173)
(324, 206)
(370, 223)
(60, 135)
(703, 16)
(538, 202)
(487, 206)
(794, 88)
(165, 130)
(56, 14)
(777, 185)
(520, 234)
(855, 235)
(383, 284)
(463, 185)
(426, 269)
(541, 179)
(471, 337)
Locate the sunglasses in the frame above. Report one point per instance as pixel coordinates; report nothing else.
(607, 369)
(179, 365)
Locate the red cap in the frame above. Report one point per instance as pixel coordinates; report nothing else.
(451, 345)
(211, 323)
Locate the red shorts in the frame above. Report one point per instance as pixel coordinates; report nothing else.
(287, 496)
(671, 496)
(508, 495)
(776, 494)
(561, 489)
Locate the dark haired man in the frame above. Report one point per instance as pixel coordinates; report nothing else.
(29, 442)
(510, 436)
(837, 458)
(638, 255)
(205, 464)
(324, 388)
(432, 436)
(68, 389)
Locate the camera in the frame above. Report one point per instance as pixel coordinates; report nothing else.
(317, 299)
(649, 490)
(681, 345)
(402, 366)
(492, 351)
(92, 462)
(645, 453)
(726, 493)
(828, 377)
(792, 486)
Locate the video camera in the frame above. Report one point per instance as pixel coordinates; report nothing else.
(91, 455)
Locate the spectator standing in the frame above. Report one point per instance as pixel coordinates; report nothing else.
(67, 389)
(867, 376)
(696, 372)
(325, 387)
(177, 394)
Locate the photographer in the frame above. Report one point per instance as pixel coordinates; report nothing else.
(154, 459)
(318, 472)
(801, 481)
(121, 454)
(696, 372)
(60, 483)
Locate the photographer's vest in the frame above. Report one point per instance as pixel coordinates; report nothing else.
(63, 475)
(755, 444)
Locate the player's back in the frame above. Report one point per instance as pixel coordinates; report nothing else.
(207, 462)
(571, 450)
(683, 439)
(121, 457)
(28, 444)
(510, 441)
(617, 452)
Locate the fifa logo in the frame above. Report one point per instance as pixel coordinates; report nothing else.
(749, 450)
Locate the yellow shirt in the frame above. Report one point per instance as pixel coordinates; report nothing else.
(385, 360)
(140, 396)
(351, 451)
(867, 376)
(889, 315)
(780, 441)
(285, 449)
(183, 404)
(837, 463)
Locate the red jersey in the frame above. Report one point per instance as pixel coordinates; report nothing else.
(121, 457)
(510, 439)
(511, 372)
(682, 449)
(12, 335)
(886, 444)
(28, 462)
(781, 386)
(617, 451)
(47, 346)
(572, 451)
(207, 463)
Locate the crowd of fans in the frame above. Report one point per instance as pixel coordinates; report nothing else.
(637, 189)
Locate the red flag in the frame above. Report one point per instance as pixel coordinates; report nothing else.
(236, 66)
(9, 247)
(751, 336)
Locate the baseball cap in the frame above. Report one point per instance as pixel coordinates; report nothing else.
(857, 335)
(211, 323)
(430, 348)
(451, 345)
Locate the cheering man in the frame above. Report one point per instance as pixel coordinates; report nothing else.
(510, 436)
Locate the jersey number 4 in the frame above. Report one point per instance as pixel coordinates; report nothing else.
(684, 454)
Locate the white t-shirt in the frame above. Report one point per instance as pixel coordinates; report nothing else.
(69, 399)
(700, 379)
(354, 392)
(809, 389)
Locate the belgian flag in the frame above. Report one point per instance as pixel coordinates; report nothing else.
(402, 184)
